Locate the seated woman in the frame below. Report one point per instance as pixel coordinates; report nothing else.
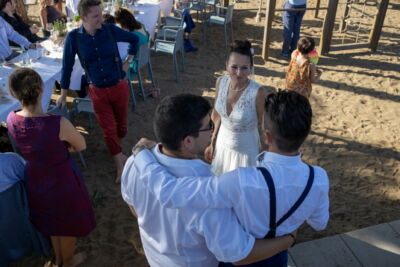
(128, 22)
(9, 14)
(49, 14)
(19, 237)
(58, 200)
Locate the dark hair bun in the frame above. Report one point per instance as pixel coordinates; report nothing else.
(241, 46)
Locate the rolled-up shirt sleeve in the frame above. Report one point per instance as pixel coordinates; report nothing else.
(320, 216)
(224, 236)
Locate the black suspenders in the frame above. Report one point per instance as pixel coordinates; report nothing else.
(117, 58)
(273, 224)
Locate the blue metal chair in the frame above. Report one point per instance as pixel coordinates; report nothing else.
(172, 47)
(222, 20)
(142, 60)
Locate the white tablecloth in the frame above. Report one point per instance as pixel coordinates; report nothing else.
(148, 16)
(48, 67)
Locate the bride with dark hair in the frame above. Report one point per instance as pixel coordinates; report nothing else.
(238, 113)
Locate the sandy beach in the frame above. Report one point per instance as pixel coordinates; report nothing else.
(355, 132)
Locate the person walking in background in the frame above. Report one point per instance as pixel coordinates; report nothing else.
(291, 26)
(59, 203)
(95, 44)
(301, 72)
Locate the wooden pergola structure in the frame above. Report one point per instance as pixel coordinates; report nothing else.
(328, 25)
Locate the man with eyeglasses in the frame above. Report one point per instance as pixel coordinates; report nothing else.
(188, 237)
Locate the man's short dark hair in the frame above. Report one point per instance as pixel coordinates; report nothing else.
(288, 118)
(179, 116)
(3, 4)
(85, 5)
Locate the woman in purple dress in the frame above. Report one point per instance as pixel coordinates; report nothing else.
(58, 200)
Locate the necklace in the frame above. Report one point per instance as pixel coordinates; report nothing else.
(240, 89)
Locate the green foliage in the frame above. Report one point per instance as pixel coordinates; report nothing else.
(76, 18)
(60, 27)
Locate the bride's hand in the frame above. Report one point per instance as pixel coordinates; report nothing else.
(209, 153)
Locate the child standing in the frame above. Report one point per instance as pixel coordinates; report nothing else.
(58, 200)
(302, 73)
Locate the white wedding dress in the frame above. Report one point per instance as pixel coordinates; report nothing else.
(238, 141)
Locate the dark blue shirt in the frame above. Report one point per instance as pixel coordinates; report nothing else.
(97, 53)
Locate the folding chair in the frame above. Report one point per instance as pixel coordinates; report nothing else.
(222, 20)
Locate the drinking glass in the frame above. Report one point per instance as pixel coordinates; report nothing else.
(25, 59)
(49, 26)
(32, 54)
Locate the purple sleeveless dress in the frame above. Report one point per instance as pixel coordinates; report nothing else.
(58, 199)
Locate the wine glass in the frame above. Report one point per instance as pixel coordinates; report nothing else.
(50, 28)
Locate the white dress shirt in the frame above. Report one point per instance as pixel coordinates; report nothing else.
(7, 33)
(246, 191)
(182, 237)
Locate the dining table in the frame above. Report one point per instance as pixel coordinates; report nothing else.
(47, 65)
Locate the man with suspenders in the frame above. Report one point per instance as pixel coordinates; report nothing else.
(270, 200)
(95, 45)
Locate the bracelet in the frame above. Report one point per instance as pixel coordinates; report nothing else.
(294, 239)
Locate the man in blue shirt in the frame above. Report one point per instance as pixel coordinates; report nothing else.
(291, 26)
(95, 44)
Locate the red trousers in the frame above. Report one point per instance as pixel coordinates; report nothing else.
(111, 109)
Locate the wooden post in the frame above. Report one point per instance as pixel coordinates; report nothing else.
(327, 28)
(317, 6)
(270, 10)
(378, 24)
(343, 21)
(258, 16)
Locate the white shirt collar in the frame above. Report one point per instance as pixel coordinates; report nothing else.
(183, 167)
(265, 157)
